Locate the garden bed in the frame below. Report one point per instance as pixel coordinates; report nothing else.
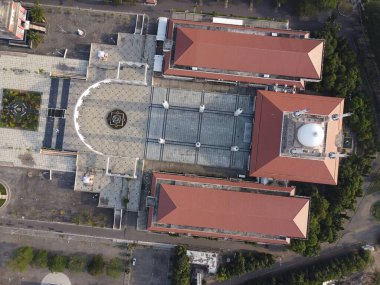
(20, 109)
(3, 191)
(2, 201)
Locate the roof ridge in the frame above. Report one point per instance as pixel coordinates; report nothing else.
(315, 56)
(184, 46)
(170, 206)
(299, 219)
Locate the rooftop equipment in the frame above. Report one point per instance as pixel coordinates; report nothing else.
(158, 63)
(161, 30)
(220, 20)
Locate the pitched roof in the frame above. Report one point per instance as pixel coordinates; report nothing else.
(265, 154)
(233, 211)
(213, 49)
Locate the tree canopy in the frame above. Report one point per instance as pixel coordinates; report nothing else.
(115, 267)
(40, 258)
(242, 262)
(77, 263)
(181, 266)
(58, 263)
(317, 273)
(329, 204)
(37, 13)
(96, 266)
(22, 258)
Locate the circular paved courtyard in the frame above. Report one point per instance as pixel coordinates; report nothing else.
(111, 119)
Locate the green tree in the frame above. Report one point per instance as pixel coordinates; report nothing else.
(181, 266)
(40, 258)
(35, 38)
(96, 266)
(77, 263)
(331, 269)
(312, 7)
(37, 13)
(58, 263)
(22, 258)
(242, 262)
(115, 267)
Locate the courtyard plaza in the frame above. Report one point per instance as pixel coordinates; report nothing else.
(113, 119)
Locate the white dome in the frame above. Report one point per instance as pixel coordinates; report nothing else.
(310, 135)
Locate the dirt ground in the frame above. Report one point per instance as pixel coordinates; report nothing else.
(99, 27)
(34, 197)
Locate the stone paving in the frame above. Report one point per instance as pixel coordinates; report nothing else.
(127, 142)
(31, 72)
(121, 148)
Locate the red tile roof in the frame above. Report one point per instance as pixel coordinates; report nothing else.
(265, 155)
(228, 77)
(217, 50)
(221, 50)
(197, 209)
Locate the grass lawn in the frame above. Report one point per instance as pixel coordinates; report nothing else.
(2, 201)
(20, 109)
(375, 211)
(2, 190)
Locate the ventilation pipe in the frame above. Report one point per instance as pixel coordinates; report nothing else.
(161, 141)
(197, 144)
(202, 108)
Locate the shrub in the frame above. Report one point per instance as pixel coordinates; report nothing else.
(115, 267)
(37, 13)
(22, 259)
(77, 263)
(181, 267)
(40, 258)
(58, 263)
(96, 266)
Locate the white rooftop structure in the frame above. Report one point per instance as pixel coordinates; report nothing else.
(161, 29)
(311, 135)
(209, 259)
